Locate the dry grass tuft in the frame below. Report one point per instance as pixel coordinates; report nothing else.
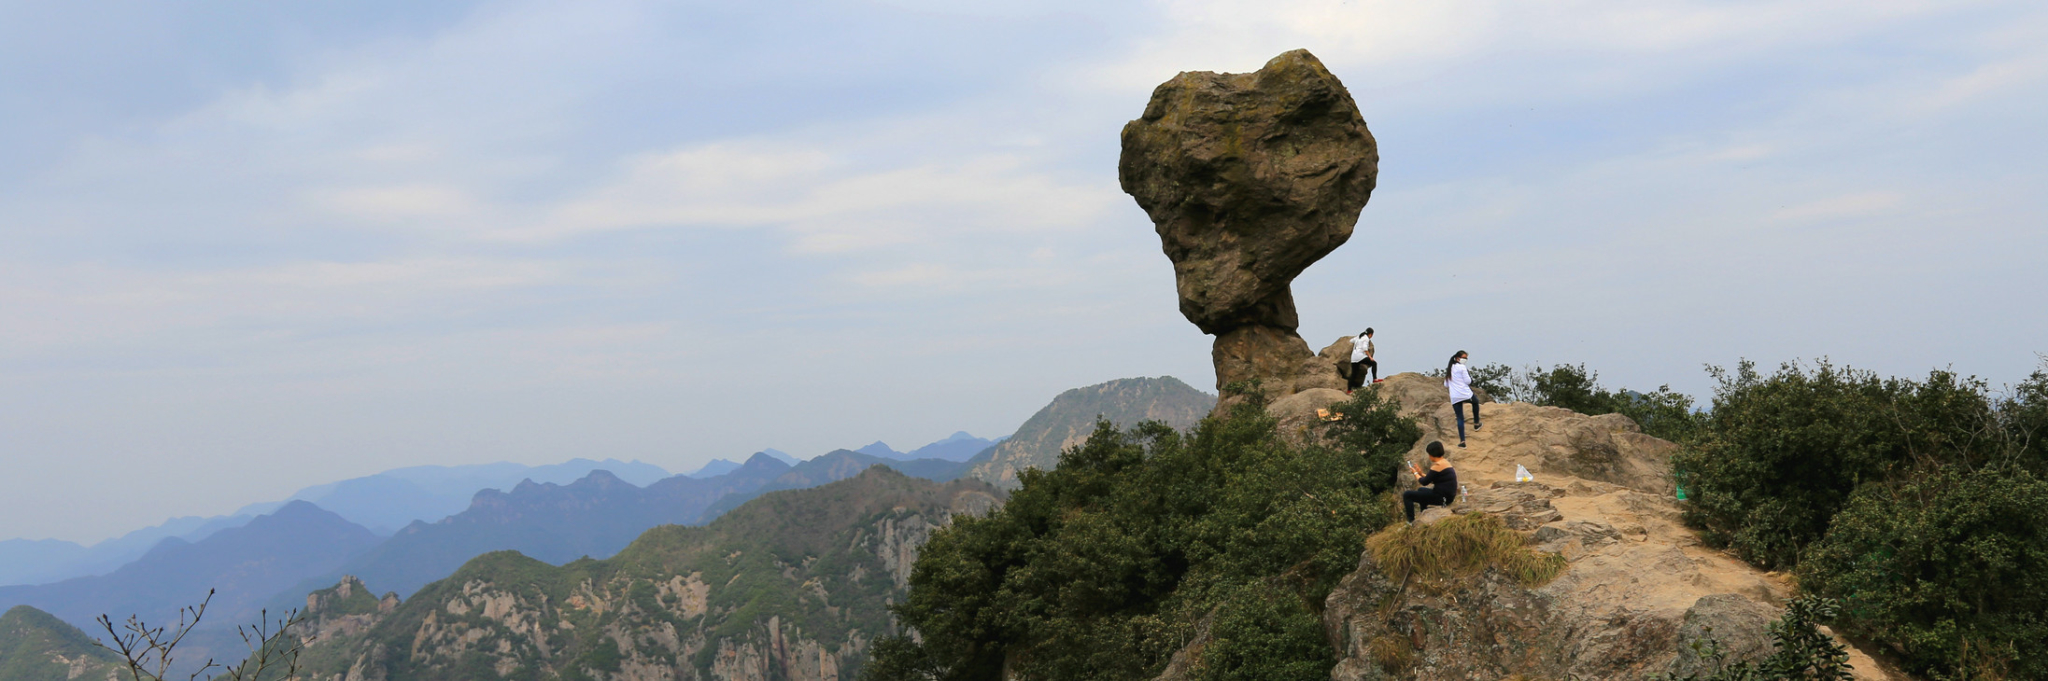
(1392, 653)
(1457, 549)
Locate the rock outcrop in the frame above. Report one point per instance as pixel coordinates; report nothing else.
(1638, 587)
(1250, 178)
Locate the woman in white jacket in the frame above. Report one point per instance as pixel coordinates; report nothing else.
(1460, 383)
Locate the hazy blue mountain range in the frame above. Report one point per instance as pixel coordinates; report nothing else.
(793, 585)
(715, 467)
(382, 503)
(838, 464)
(34, 646)
(594, 516)
(880, 449)
(25, 561)
(247, 565)
(276, 559)
(395, 498)
(959, 446)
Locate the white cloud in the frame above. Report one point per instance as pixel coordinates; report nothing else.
(60, 308)
(399, 202)
(827, 201)
(552, 229)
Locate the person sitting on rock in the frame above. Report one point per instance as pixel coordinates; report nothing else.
(1361, 360)
(1460, 382)
(1438, 487)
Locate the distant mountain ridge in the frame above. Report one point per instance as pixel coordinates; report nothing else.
(791, 585)
(246, 566)
(1071, 416)
(834, 466)
(594, 516)
(387, 501)
(383, 503)
(715, 467)
(25, 561)
(959, 446)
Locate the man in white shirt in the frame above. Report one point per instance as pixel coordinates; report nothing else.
(1361, 361)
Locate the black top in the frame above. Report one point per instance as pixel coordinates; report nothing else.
(1446, 482)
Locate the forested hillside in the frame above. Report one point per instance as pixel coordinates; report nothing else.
(34, 646)
(793, 585)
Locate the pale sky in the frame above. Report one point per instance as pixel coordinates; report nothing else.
(247, 247)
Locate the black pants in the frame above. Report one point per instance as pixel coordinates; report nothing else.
(1424, 498)
(1358, 370)
(1459, 408)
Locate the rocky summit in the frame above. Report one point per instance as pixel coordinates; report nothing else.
(1249, 178)
(1071, 417)
(1638, 589)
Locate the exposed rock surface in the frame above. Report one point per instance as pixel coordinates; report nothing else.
(1421, 397)
(1249, 178)
(1638, 589)
(1070, 419)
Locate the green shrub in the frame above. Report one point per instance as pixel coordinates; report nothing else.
(1950, 568)
(1662, 413)
(1778, 456)
(2022, 431)
(1571, 386)
(1496, 380)
(1101, 568)
(1260, 637)
(1803, 652)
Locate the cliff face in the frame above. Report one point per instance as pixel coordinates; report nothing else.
(794, 585)
(1638, 588)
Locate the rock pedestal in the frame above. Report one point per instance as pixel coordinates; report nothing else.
(1249, 178)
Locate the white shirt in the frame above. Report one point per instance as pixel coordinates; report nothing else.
(1358, 346)
(1460, 383)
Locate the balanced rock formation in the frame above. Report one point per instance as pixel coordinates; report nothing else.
(1638, 589)
(1249, 178)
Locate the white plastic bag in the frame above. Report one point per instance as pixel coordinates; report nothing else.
(1522, 474)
